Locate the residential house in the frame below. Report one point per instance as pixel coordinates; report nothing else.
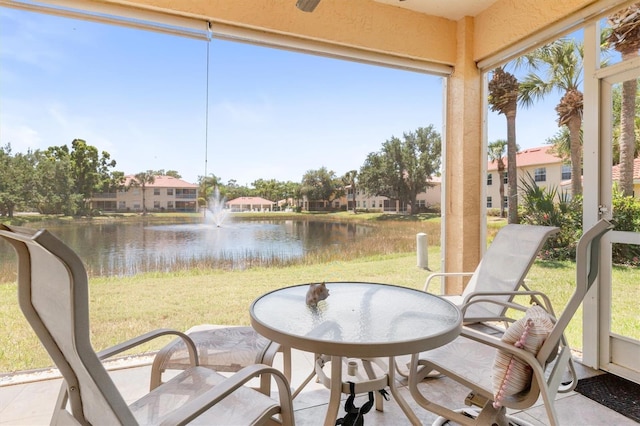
(545, 168)
(425, 200)
(165, 194)
(249, 204)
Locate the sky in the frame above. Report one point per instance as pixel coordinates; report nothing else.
(144, 96)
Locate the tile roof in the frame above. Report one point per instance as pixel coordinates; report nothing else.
(615, 170)
(163, 182)
(249, 200)
(530, 157)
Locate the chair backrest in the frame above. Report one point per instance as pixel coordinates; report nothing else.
(505, 265)
(54, 297)
(555, 347)
(587, 266)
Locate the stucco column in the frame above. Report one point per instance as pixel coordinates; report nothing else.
(463, 162)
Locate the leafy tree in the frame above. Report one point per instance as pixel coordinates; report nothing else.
(625, 38)
(292, 193)
(496, 155)
(322, 185)
(172, 173)
(207, 184)
(55, 184)
(88, 168)
(233, 190)
(559, 67)
(5, 192)
(115, 183)
(17, 187)
(141, 180)
(402, 168)
(268, 189)
(503, 98)
(561, 144)
(349, 179)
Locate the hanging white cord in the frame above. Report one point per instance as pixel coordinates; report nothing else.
(206, 124)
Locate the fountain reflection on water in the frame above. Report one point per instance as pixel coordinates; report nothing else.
(114, 248)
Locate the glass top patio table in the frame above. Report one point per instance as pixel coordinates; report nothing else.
(358, 320)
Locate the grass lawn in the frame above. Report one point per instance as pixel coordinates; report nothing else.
(125, 307)
(122, 308)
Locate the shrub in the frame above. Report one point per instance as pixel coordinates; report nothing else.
(626, 214)
(549, 207)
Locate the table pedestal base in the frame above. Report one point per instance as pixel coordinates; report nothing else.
(371, 383)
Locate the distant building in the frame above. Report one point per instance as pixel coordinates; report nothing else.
(547, 170)
(430, 199)
(249, 204)
(166, 194)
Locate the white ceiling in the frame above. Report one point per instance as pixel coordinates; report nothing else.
(450, 9)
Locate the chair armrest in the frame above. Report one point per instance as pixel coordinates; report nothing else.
(191, 410)
(136, 341)
(535, 297)
(536, 362)
(444, 274)
(495, 342)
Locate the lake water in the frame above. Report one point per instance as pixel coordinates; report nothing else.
(119, 248)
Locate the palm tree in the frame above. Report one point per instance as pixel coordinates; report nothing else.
(560, 66)
(496, 155)
(503, 98)
(625, 38)
(349, 178)
(141, 180)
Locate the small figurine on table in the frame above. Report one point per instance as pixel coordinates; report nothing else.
(316, 293)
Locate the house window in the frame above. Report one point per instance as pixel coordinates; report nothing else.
(169, 204)
(185, 193)
(156, 204)
(505, 178)
(489, 202)
(566, 171)
(540, 174)
(489, 179)
(122, 205)
(156, 191)
(505, 202)
(169, 191)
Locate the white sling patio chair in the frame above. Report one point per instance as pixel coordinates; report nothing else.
(513, 371)
(222, 348)
(54, 297)
(501, 271)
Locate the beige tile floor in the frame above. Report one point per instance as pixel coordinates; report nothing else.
(29, 399)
